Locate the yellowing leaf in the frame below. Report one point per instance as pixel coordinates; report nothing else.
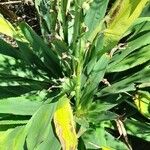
(121, 16)
(106, 148)
(3, 136)
(6, 27)
(64, 124)
(142, 101)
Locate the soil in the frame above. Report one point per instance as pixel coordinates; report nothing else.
(19, 10)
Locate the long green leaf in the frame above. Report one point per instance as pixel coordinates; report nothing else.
(93, 80)
(17, 90)
(141, 56)
(42, 50)
(40, 126)
(99, 138)
(139, 129)
(128, 83)
(13, 138)
(18, 106)
(50, 142)
(96, 12)
(137, 42)
(8, 50)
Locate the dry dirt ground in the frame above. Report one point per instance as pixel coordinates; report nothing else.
(19, 10)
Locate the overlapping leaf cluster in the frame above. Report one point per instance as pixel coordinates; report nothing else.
(81, 84)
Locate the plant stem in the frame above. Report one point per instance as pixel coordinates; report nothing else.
(77, 64)
(64, 4)
(78, 83)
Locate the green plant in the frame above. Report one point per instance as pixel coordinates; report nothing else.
(80, 85)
